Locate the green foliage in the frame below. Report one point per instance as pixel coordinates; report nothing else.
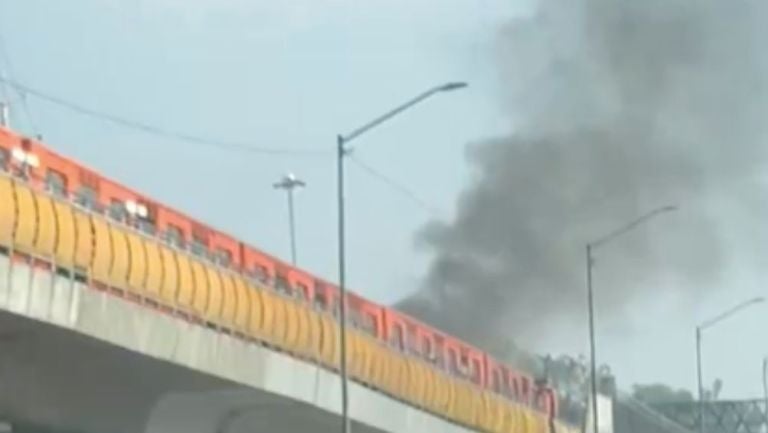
(660, 393)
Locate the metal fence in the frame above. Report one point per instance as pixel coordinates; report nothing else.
(728, 416)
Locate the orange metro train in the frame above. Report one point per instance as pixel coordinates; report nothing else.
(28, 159)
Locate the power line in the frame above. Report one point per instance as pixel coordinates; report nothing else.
(156, 130)
(396, 186)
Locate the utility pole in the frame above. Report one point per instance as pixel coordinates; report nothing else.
(289, 182)
(342, 151)
(5, 114)
(590, 262)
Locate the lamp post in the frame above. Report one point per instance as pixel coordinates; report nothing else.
(341, 151)
(704, 325)
(765, 393)
(590, 296)
(289, 182)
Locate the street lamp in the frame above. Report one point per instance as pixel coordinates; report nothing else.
(707, 324)
(341, 152)
(590, 296)
(765, 392)
(289, 182)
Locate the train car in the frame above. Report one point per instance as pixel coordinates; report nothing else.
(215, 259)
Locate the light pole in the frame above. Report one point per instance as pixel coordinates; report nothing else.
(341, 151)
(704, 325)
(590, 297)
(289, 182)
(765, 393)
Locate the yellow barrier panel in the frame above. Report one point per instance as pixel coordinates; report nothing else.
(390, 370)
(169, 289)
(102, 253)
(254, 313)
(155, 264)
(366, 356)
(422, 388)
(291, 320)
(121, 260)
(186, 292)
(228, 300)
(85, 241)
(268, 301)
(329, 350)
(26, 221)
(67, 233)
(45, 238)
(116, 255)
(509, 418)
(478, 408)
(359, 358)
(315, 335)
(489, 418)
(499, 404)
(430, 384)
(137, 273)
(462, 405)
(366, 353)
(304, 340)
(243, 304)
(444, 393)
(215, 295)
(448, 394)
(201, 287)
(378, 370)
(410, 380)
(278, 319)
(7, 210)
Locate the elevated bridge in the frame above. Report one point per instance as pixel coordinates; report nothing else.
(108, 325)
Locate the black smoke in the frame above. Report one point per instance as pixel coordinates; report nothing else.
(617, 107)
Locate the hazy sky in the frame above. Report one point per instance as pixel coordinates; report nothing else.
(293, 74)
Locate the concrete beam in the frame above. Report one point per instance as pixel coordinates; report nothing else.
(89, 361)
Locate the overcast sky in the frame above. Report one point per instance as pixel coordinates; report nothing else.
(293, 74)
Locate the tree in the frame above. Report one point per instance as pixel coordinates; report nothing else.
(659, 393)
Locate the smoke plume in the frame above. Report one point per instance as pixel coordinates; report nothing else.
(617, 107)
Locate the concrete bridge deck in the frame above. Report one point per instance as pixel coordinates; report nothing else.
(88, 361)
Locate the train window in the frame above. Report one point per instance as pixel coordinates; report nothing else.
(223, 257)
(117, 211)
(369, 323)
(453, 365)
(281, 284)
(397, 337)
(464, 364)
(260, 273)
(87, 198)
(303, 291)
(413, 342)
(56, 183)
(354, 318)
(438, 355)
(426, 348)
(320, 303)
(198, 248)
(496, 382)
(174, 236)
(147, 226)
(4, 156)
